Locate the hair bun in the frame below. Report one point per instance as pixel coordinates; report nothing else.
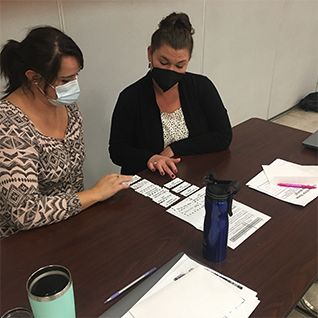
(175, 30)
(179, 20)
(12, 46)
(9, 51)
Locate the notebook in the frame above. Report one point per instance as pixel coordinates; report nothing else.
(312, 141)
(122, 306)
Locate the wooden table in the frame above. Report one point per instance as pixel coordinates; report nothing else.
(114, 242)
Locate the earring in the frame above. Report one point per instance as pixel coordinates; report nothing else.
(149, 64)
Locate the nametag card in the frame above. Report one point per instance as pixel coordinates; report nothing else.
(159, 195)
(173, 183)
(134, 179)
(181, 187)
(189, 190)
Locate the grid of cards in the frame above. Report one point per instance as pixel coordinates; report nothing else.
(166, 195)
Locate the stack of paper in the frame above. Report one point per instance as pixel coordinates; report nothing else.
(191, 290)
(281, 171)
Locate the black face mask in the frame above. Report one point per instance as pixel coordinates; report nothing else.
(166, 78)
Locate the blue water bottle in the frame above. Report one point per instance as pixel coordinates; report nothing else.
(218, 205)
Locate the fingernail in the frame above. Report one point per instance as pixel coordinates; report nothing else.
(173, 176)
(162, 173)
(153, 170)
(175, 171)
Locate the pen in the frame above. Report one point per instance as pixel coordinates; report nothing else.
(182, 274)
(131, 284)
(179, 276)
(289, 185)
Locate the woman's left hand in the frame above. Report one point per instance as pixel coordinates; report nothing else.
(164, 165)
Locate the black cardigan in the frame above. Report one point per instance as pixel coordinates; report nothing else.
(136, 129)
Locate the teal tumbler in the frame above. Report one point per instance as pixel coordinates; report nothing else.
(50, 292)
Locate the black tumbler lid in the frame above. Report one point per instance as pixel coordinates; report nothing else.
(218, 191)
(221, 190)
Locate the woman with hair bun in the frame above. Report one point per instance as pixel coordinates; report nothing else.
(41, 135)
(169, 112)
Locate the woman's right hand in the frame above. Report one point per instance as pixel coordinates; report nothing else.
(105, 187)
(110, 184)
(164, 165)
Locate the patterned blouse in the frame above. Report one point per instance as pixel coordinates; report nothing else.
(39, 175)
(174, 127)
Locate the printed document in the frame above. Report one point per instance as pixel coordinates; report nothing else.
(243, 223)
(266, 182)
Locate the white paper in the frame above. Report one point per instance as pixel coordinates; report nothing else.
(281, 171)
(140, 184)
(237, 300)
(169, 199)
(244, 222)
(196, 294)
(153, 191)
(191, 209)
(296, 196)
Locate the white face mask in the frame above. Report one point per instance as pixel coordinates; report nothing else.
(66, 94)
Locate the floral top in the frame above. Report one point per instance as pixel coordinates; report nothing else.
(174, 127)
(39, 175)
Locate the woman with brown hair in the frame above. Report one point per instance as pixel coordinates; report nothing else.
(169, 112)
(41, 135)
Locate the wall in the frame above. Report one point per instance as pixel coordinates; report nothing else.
(261, 55)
